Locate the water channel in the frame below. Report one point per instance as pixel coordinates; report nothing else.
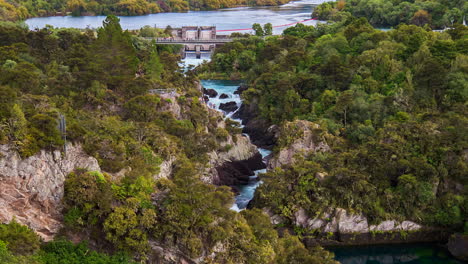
(239, 18)
(246, 192)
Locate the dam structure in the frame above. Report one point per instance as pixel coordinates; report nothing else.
(196, 39)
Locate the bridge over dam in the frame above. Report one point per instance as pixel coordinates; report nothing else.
(196, 39)
(190, 41)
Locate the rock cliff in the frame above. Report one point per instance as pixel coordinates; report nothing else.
(31, 189)
(341, 221)
(338, 226)
(234, 166)
(299, 137)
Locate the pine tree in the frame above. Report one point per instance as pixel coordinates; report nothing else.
(17, 123)
(154, 67)
(114, 58)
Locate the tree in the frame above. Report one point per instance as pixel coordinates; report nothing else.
(113, 54)
(421, 18)
(17, 123)
(21, 239)
(123, 228)
(343, 104)
(77, 7)
(268, 29)
(154, 67)
(258, 30)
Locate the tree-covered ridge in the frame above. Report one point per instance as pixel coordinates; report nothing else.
(13, 10)
(100, 82)
(396, 99)
(383, 13)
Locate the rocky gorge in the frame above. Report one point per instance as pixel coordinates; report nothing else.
(333, 226)
(32, 188)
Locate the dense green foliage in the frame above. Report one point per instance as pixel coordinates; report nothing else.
(392, 105)
(20, 245)
(101, 85)
(383, 13)
(13, 10)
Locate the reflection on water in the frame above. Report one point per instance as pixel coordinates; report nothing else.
(232, 18)
(394, 254)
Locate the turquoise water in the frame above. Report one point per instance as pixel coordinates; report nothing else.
(374, 254)
(394, 254)
(246, 192)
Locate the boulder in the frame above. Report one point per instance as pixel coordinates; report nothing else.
(344, 223)
(239, 172)
(258, 129)
(351, 223)
(458, 246)
(385, 226)
(210, 92)
(241, 89)
(228, 107)
(223, 96)
(241, 149)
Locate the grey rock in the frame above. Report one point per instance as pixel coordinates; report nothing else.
(31, 189)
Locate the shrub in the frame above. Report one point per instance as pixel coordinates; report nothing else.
(19, 238)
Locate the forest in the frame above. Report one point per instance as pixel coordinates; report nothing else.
(436, 14)
(13, 10)
(390, 104)
(99, 83)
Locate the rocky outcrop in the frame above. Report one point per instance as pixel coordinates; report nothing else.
(241, 89)
(228, 107)
(298, 137)
(210, 92)
(165, 168)
(223, 96)
(261, 133)
(238, 172)
(31, 189)
(341, 221)
(226, 167)
(338, 226)
(458, 246)
(170, 104)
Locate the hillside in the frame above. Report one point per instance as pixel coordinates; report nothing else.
(370, 127)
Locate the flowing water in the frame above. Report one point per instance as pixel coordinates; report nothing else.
(372, 254)
(246, 192)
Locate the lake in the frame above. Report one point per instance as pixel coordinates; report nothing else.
(224, 19)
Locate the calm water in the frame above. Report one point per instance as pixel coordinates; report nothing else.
(232, 18)
(394, 254)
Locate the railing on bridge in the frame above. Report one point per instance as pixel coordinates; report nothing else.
(176, 41)
(162, 91)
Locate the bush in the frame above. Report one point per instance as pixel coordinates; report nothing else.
(19, 238)
(65, 252)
